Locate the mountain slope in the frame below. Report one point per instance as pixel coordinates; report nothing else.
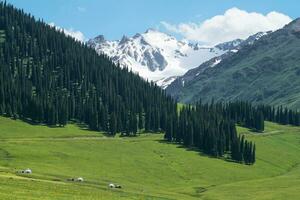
(268, 71)
(179, 83)
(47, 77)
(157, 56)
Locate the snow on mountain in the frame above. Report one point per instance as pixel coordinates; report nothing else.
(157, 56)
(232, 47)
(165, 82)
(229, 45)
(161, 58)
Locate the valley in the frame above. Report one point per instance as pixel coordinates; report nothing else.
(188, 110)
(145, 166)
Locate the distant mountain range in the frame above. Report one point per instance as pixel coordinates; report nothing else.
(181, 81)
(264, 70)
(157, 56)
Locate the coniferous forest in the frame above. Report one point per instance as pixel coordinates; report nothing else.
(212, 127)
(49, 78)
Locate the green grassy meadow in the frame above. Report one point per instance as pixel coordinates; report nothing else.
(145, 166)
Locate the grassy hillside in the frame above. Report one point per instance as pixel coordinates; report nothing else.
(266, 72)
(145, 166)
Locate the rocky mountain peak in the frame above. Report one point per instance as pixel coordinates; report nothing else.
(124, 40)
(159, 57)
(100, 39)
(149, 30)
(229, 45)
(137, 35)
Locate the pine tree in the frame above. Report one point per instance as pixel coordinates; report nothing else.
(141, 121)
(253, 154)
(113, 124)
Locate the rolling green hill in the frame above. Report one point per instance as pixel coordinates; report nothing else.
(146, 167)
(266, 72)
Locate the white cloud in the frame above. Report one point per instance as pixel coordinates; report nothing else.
(71, 32)
(233, 24)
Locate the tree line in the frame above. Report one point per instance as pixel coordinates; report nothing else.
(210, 128)
(245, 114)
(281, 115)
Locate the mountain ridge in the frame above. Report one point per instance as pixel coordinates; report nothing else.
(266, 72)
(157, 56)
(178, 83)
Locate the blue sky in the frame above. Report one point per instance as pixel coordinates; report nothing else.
(114, 18)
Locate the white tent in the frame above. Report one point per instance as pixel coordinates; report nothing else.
(27, 171)
(80, 179)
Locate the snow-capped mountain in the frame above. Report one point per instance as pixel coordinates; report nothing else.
(161, 58)
(157, 56)
(165, 82)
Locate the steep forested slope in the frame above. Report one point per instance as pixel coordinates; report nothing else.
(50, 78)
(266, 72)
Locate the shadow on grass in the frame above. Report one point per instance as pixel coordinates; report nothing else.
(80, 125)
(200, 152)
(255, 131)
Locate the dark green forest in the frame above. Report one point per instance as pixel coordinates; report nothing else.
(50, 78)
(211, 128)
